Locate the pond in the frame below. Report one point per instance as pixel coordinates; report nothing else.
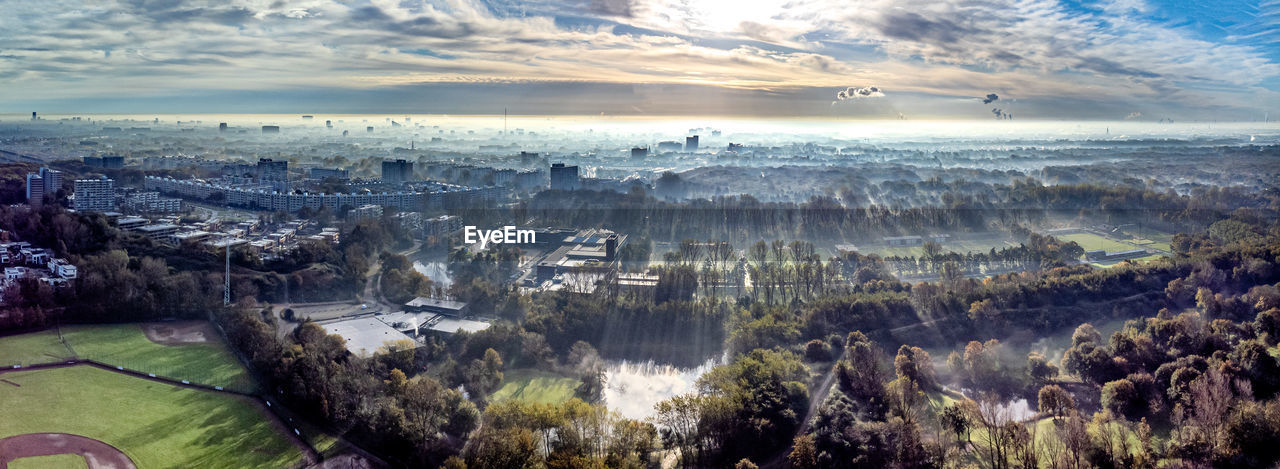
(633, 388)
(437, 271)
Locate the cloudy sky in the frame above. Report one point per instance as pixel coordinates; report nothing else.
(1044, 59)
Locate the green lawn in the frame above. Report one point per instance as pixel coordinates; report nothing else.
(125, 345)
(57, 461)
(1153, 238)
(1093, 242)
(155, 424)
(33, 348)
(532, 385)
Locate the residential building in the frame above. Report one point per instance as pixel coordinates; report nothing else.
(39, 184)
(94, 195)
(564, 178)
(397, 171)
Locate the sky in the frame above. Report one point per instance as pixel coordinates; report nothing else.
(1146, 60)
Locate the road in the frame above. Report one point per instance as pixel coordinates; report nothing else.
(372, 294)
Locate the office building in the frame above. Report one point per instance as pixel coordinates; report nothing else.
(113, 162)
(564, 178)
(639, 152)
(222, 126)
(691, 144)
(95, 195)
(396, 172)
(270, 129)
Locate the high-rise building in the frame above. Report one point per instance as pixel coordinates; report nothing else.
(639, 152)
(35, 190)
(33, 116)
(95, 195)
(52, 180)
(46, 181)
(564, 178)
(275, 173)
(113, 162)
(396, 172)
(222, 126)
(691, 144)
(270, 129)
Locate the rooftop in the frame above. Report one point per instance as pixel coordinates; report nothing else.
(422, 301)
(365, 335)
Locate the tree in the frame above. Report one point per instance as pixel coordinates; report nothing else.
(1055, 401)
(1121, 398)
(904, 398)
(454, 462)
(861, 374)
(745, 463)
(397, 381)
(1039, 369)
(915, 364)
(954, 418)
(1267, 326)
(803, 453)
(482, 377)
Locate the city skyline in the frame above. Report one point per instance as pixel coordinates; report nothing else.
(1116, 60)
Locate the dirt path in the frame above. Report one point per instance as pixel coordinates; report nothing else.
(815, 404)
(179, 332)
(97, 454)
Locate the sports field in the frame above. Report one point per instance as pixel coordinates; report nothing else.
(32, 348)
(206, 361)
(1092, 242)
(57, 461)
(157, 425)
(532, 385)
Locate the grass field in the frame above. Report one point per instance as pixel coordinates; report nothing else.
(33, 348)
(57, 461)
(532, 385)
(155, 424)
(1091, 242)
(209, 363)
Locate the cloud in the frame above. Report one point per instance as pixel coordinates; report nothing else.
(1133, 115)
(859, 93)
(1037, 50)
(991, 97)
